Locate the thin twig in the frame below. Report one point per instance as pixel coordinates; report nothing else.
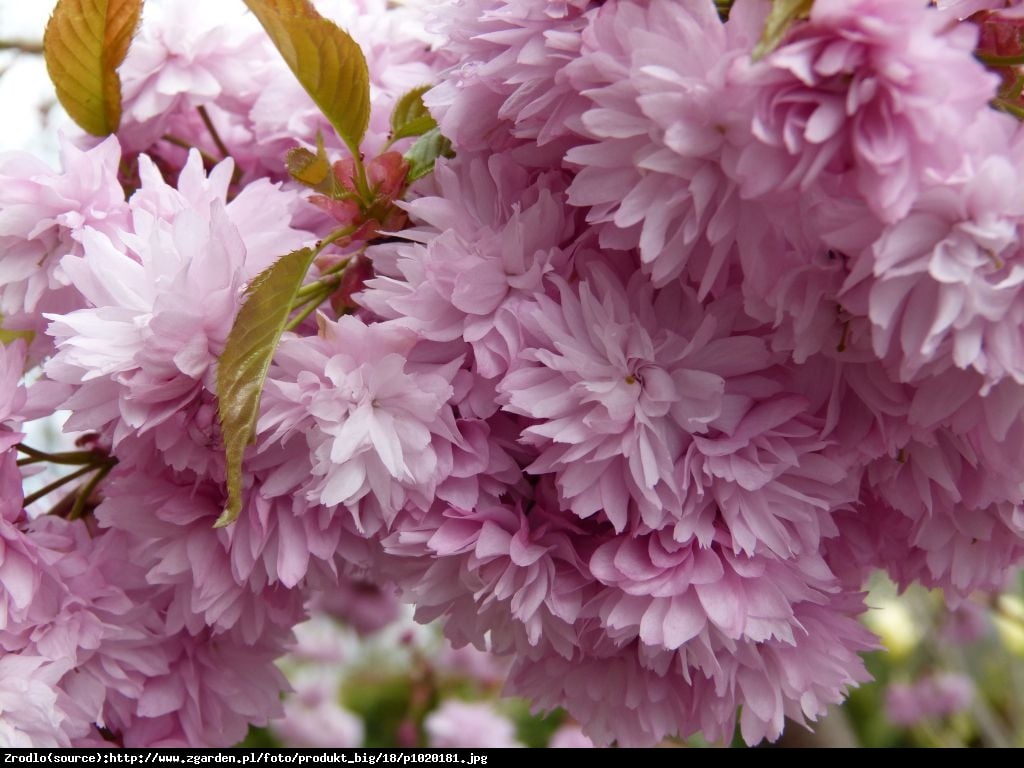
(66, 457)
(224, 153)
(178, 142)
(33, 497)
(22, 46)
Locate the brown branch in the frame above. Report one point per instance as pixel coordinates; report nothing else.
(22, 46)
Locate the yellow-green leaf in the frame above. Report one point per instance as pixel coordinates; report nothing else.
(9, 336)
(245, 361)
(410, 117)
(84, 44)
(422, 155)
(783, 14)
(311, 169)
(326, 60)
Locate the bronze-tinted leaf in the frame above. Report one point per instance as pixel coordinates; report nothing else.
(84, 44)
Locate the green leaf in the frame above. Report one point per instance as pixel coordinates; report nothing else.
(424, 153)
(84, 44)
(246, 359)
(327, 62)
(410, 117)
(781, 17)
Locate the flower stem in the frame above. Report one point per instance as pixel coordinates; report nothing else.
(86, 491)
(309, 306)
(328, 280)
(311, 296)
(362, 184)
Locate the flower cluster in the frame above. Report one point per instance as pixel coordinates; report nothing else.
(683, 342)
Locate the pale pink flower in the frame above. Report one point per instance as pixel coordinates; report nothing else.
(21, 563)
(44, 213)
(13, 397)
(961, 9)
(398, 58)
(965, 520)
(94, 612)
(619, 379)
(623, 694)
(659, 127)
(313, 718)
(941, 695)
(30, 711)
(377, 429)
(99, 642)
(570, 737)
(465, 724)
(881, 91)
(214, 688)
(491, 240)
(508, 572)
(795, 252)
(184, 57)
(161, 300)
(507, 84)
(237, 579)
(945, 285)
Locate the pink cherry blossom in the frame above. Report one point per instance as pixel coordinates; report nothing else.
(30, 715)
(161, 299)
(464, 724)
(377, 430)
(660, 128)
(880, 91)
(491, 239)
(507, 83)
(938, 696)
(43, 217)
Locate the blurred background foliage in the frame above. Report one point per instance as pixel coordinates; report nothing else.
(943, 678)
